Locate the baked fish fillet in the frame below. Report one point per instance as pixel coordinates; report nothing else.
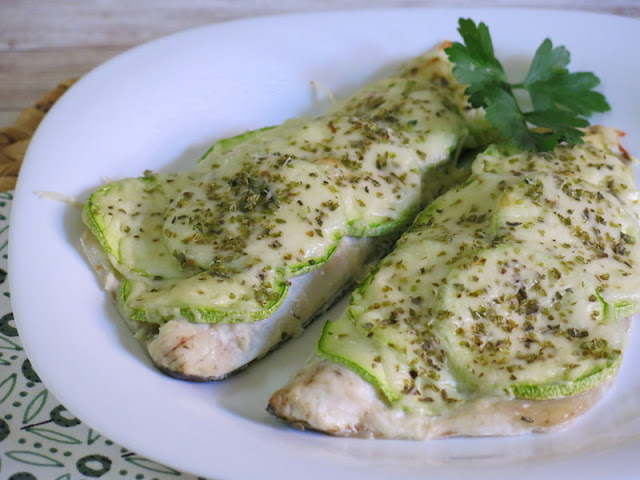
(214, 267)
(504, 309)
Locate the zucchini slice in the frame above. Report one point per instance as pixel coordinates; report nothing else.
(581, 224)
(273, 212)
(126, 217)
(515, 315)
(208, 297)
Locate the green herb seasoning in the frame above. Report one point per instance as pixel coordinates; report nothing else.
(512, 284)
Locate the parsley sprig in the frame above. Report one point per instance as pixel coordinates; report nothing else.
(562, 101)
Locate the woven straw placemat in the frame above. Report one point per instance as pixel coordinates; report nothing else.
(15, 139)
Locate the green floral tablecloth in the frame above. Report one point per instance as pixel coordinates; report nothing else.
(39, 438)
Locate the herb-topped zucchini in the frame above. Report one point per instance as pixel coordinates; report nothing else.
(214, 267)
(503, 309)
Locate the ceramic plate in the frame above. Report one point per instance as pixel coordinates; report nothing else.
(159, 106)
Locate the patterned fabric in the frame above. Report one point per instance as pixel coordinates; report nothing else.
(39, 438)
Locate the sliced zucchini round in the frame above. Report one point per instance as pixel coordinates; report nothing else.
(387, 337)
(278, 213)
(214, 156)
(582, 225)
(126, 217)
(515, 315)
(209, 297)
(591, 163)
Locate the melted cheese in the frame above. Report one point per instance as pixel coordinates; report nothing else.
(268, 206)
(511, 285)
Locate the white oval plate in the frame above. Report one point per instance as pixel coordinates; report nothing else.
(158, 107)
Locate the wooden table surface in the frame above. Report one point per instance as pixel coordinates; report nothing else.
(43, 42)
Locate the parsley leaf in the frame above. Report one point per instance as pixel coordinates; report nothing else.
(562, 101)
